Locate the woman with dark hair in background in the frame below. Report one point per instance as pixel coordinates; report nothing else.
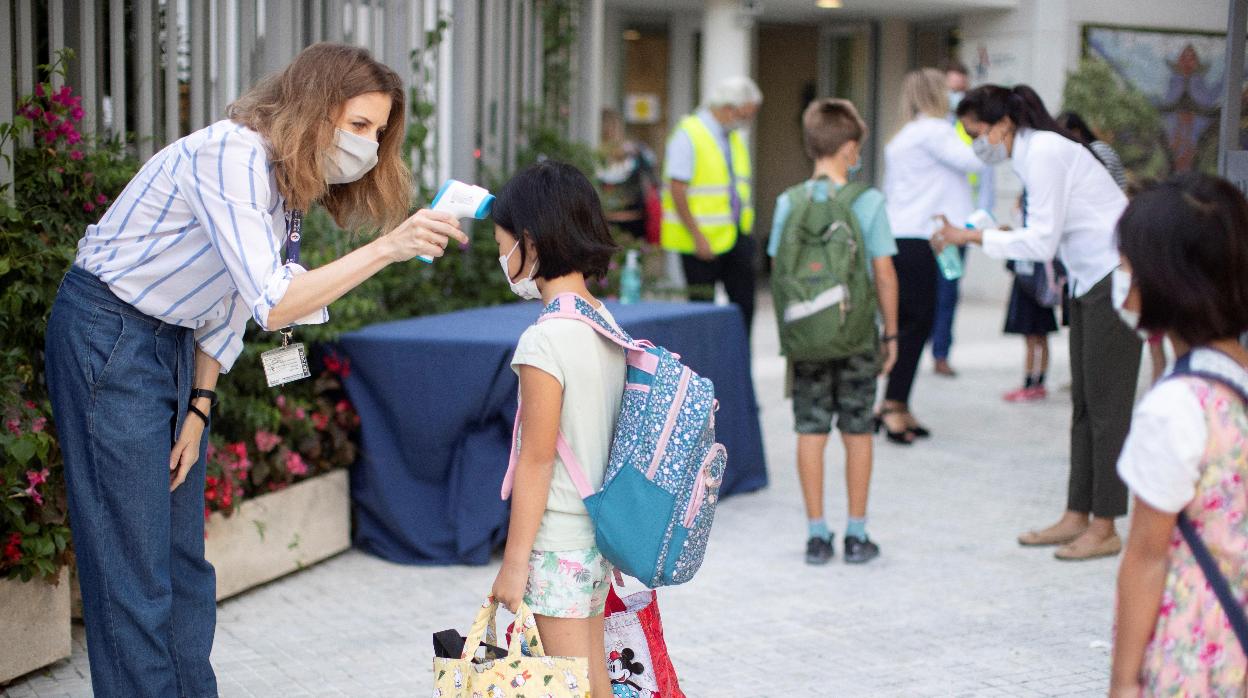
(1073, 206)
(1078, 129)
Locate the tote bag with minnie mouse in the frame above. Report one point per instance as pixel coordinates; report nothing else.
(637, 660)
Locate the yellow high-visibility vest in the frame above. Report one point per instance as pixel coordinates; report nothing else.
(710, 199)
(973, 177)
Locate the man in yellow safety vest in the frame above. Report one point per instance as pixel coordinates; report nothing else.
(708, 204)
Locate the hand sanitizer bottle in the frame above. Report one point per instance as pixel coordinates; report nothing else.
(630, 279)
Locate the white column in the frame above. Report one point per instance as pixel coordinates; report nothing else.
(88, 59)
(588, 74)
(727, 42)
(682, 84)
(117, 68)
(612, 59)
(7, 105)
(56, 35)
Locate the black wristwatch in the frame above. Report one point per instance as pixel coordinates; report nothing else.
(198, 393)
(202, 392)
(888, 338)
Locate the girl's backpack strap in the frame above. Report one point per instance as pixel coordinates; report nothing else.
(1221, 588)
(1213, 365)
(566, 454)
(570, 306)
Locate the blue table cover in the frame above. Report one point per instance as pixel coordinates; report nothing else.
(437, 399)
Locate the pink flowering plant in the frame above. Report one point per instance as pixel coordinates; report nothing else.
(283, 437)
(33, 521)
(63, 181)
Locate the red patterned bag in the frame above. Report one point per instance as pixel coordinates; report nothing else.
(637, 657)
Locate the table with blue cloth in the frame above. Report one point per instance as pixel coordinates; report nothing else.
(437, 400)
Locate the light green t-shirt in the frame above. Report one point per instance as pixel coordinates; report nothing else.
(591, 370)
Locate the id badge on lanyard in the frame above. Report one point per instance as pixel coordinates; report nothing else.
(290, 361)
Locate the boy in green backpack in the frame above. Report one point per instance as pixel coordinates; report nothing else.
(832, 280)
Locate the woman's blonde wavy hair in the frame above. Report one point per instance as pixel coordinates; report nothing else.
(296, 111)
(923, 93)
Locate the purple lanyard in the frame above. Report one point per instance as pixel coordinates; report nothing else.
(294, 234)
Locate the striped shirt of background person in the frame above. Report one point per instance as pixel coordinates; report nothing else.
(191, 240)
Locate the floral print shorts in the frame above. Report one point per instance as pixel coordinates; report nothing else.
(568, 583)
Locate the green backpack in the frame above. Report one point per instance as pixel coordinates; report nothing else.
(824, 296)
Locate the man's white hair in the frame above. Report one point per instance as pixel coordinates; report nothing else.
(736, 91)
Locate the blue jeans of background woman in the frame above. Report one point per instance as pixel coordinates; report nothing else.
(946, 309)
(120, 382)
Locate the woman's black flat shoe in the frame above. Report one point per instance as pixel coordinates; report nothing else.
(903, 437)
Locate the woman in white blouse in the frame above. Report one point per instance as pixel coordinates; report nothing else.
(1073, 207)
(203, 239)
(925, 168)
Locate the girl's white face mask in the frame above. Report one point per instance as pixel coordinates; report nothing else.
(351, 158)
(1120, 288)
(526, 288)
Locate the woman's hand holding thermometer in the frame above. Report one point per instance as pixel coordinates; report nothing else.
(426, 234)
(461, 201)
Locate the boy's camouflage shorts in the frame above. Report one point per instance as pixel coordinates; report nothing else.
(841, 389)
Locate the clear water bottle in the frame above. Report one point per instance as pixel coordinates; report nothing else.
(630, 279)
(950, 263)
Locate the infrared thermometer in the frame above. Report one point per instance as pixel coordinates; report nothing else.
(462, 201)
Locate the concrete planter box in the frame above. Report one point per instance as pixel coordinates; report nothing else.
(279, 533)
(35, 619)
(274, 534)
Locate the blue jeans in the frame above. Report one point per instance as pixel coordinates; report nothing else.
(946, 305)
(120, 382)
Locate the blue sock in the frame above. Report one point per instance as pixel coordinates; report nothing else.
(857, 528)
(818, 528)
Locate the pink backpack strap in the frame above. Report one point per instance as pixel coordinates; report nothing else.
(562, 447)
(566, 309)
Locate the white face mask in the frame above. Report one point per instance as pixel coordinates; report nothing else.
(352, 157)
(525, 288)
(955, 98)
(990, 153)
(1120, 288)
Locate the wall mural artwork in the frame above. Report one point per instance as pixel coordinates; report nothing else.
(1181, 74)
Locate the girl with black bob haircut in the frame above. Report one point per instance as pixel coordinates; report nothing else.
(1072, 207)
(553, 207)
(552, 236)
(1184, 246)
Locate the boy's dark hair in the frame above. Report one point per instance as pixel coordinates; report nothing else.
(554, 205)
(1186, 240)
(828, 124)
(991, 103)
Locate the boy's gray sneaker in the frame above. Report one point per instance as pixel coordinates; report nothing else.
(860, 550)
(819, 551)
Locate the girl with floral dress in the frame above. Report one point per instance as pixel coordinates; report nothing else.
(1184, 246)
(552, 236)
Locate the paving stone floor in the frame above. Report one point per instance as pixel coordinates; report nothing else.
(953, 607)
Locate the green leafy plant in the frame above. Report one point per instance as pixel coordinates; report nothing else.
(1120, 114)
(62, 181)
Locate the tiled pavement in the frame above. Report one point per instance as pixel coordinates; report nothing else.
(953, 607)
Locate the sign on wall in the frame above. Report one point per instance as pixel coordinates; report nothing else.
(642, 108)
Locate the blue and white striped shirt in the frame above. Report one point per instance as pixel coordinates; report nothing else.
(191, 240)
